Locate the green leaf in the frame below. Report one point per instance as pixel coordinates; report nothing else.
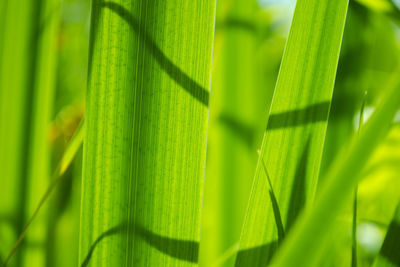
(66, 159)
(27, 82)
(312, 232)
(144, 150)
(16, 87)
(236, 126)
(293, 141)
(389, 254)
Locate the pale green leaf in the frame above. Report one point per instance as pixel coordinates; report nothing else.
(314, 228)
(144, 150)
(289, 162)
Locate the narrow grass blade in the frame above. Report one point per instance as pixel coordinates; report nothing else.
(144, 150)
(355, 218)
(64, 163)
(293, 141)
(313, 229)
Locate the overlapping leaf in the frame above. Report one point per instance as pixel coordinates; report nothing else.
(289, 162)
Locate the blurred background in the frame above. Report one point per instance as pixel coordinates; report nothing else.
(37, 122)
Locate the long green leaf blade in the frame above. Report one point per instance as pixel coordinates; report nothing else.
(144, 150)
(293, 142)
(311, 233)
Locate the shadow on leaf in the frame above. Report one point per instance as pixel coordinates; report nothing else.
(311, 114)
(259, 256)
(245, 132)
(298, 196)
(174, 72)
(179, 249)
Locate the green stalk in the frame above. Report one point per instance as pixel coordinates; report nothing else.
(144, 150)
(39, 161)
(15, 87)
(237, 101)
(288, 166)
(27, 75)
